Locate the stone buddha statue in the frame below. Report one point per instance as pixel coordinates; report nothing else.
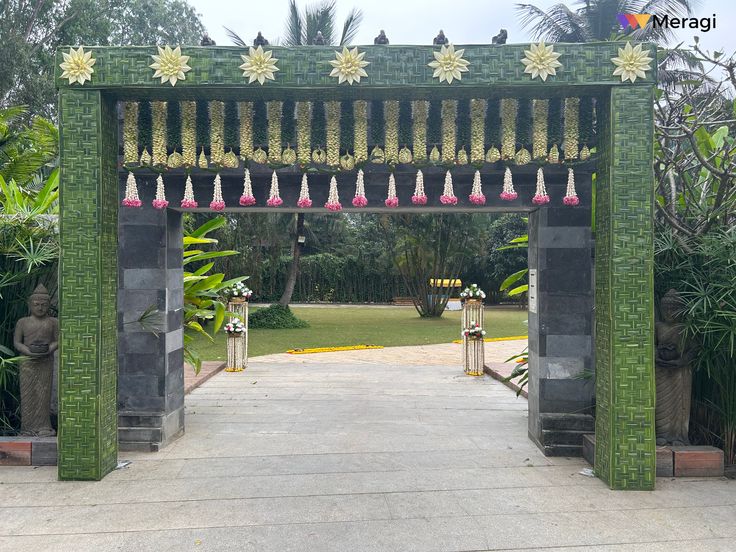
(673, 373)
(36, 337)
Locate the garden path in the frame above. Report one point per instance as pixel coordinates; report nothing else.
(321, 452)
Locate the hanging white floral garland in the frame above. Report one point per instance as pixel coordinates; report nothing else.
(448, 194)
(188, 202)
(476, 194)
(274, 198)
(333, 199)
(571, 196)
(419, 197)
(360, 200)
(508, 193)
(247, 199)
(131, 192)
(160, 201)
(304, 201)
(540, 196)
(217, 203)
(392, 201)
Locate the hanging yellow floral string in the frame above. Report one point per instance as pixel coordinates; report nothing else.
(539, 128)
(572, 127)
(130, 133)
(217, 133)
(189, 133)
(158, 133)
(274, 111)
(303, 132)
(509, 109)
(246, 129)
(332, 110)
(360, 130)
(420, 112)
(449, 115)
(391, 118)
(477, 130)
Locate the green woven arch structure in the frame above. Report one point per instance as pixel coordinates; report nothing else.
(625, 451)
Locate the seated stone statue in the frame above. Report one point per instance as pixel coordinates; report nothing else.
(36, 337)
(673, 375)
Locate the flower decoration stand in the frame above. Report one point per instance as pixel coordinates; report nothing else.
(473, 347)
(237, 344)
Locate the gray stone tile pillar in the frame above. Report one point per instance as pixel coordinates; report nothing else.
(561, 326)
(151, 363)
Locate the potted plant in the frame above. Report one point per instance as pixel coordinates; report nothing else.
(238, 293)
(473, 331)
(472, 293)
(234, 328)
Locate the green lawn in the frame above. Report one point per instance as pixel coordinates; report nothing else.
(340, 326)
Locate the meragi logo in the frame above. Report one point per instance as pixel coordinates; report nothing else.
(641, 20)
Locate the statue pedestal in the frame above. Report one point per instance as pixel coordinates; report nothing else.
(237, 345)
(473, 348)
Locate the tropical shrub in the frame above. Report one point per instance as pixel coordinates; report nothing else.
(275, 317)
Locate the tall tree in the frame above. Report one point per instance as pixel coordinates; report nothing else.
(302, 28)
(32, 31)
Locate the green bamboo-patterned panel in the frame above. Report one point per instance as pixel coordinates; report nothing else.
(308, 66)
(88, 286)
(624, 294)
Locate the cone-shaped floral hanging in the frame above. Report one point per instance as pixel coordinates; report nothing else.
(274, 198)
(448, 194)
(476, 194)
(160, 201)
(508, 193)
(419, 197)
(188, 202)
(392, 200)
(131, 192)
(304, 200)
(333, 200)
(360, 200)
(571, 196)
(247, 198)
(540, 196)
(217, 203)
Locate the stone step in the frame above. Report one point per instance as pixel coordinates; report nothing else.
(577, 422)
(138, 446)
(140, 434)
(563, 450)
(552, 437)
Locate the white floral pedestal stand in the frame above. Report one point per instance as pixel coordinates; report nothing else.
(473, 347)
(237, 345)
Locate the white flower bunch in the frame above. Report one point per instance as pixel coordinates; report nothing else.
(472, 292)
(240, 290)
(235, 327)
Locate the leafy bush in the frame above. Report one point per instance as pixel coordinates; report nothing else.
(275, 317)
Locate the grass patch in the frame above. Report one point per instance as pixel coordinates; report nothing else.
(333, 326)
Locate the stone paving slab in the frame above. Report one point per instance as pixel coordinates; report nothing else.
(377, 455)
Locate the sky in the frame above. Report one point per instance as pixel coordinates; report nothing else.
(417, 22)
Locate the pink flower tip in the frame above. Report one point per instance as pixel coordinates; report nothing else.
(304, 203)
(392, 202)
(336, 206)
(448, 200)
(132, 202)
(160, 203)
(477, 199)
(274, 202)
(509, 196)
(188, 204)
(419, 199)
(571, 200)
(246, 201)
(217, 205)
(360, 201)
(540, 199)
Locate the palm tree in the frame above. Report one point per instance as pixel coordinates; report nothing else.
(303, 29)
(597, 20)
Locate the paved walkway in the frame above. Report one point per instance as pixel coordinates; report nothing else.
(320, 453)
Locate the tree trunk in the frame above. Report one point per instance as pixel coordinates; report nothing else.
(296, 252)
